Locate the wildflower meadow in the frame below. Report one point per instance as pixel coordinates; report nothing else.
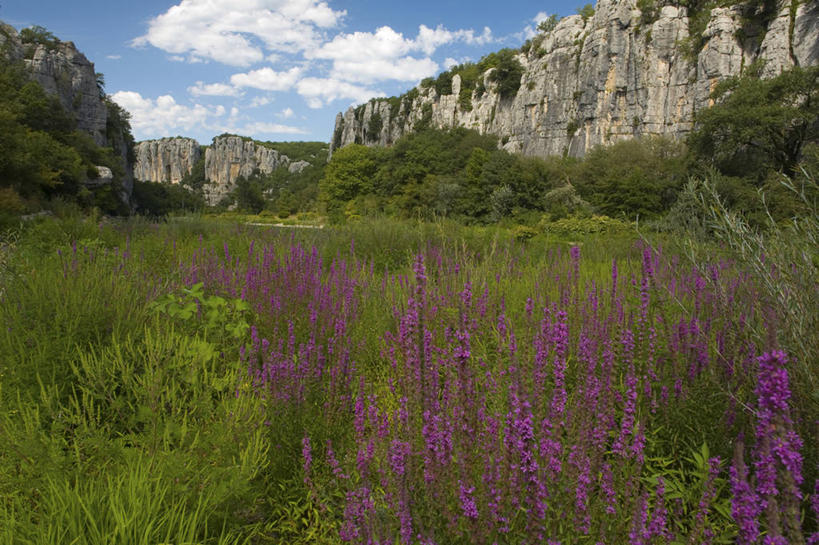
(395, 383)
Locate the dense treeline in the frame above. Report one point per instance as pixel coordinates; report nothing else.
(44, 156)
(758, 131)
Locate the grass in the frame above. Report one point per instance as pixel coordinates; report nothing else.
(137, 406)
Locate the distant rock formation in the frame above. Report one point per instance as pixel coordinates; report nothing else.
(227, 159)
(166, 160)
(596, 81)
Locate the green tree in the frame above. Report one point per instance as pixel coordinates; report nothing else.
(586, 12)
(758, 125)
(350, 173)
(249, 196)
(548, 24)
(638, 177)
(507, 73)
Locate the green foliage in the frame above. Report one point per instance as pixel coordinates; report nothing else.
(248, 195)
(639, 177)
(161, 199)
(349, 173)
(118, 131)
(44, 156)
(374, 126)
(507, 72)
(548, 24)
(312, 152)
(37, 35)
(685, 481)
(783, 258)
(759, 125)
(649, 11)
(582, 225)
(215, 313)
(587, 11)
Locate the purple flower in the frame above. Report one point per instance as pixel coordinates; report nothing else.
(399, 452)
(468, 506)
(745, 504)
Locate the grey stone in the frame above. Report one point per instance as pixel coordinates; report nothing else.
(166, 160)
(609, 77)
(232, 157)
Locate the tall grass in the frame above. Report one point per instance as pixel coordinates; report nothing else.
(201, 382)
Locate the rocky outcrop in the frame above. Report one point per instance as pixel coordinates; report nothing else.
(611, 77)
(10, 46)
(229, 158)
(166, 160)
(66, 73)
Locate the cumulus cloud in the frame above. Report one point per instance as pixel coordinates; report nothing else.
(267, 79)
(321, 91)
(430, 39)
(240, 32)
(367, 57)
(213, 89)
(287, 113)
(154, 118)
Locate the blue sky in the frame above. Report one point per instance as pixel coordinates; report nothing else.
(271, 69)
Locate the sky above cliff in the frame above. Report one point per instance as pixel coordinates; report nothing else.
(272, 69)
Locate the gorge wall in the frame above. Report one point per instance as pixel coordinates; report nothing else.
(614, 76)
(166, 160)
(227, 159)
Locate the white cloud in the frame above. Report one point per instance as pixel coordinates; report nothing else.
(367, 57)
(449, 62)
(429, 39)
(213, 89)
(239, 32)
(113, 57)
(287, 113)
(267, 79)
(260, 101)
(321, 91)
(403, 69)
(163, 116)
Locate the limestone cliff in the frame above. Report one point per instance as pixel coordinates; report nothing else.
(232, 157)
(166, 160)
(616, 75)
(66, 73)
(227, 159)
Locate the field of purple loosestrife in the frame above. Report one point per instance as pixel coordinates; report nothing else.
(195, 382)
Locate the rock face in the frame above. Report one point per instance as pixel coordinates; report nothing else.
(166, 160)
(227, 159)
(65, 72)
(597, 81)
(232, 157)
